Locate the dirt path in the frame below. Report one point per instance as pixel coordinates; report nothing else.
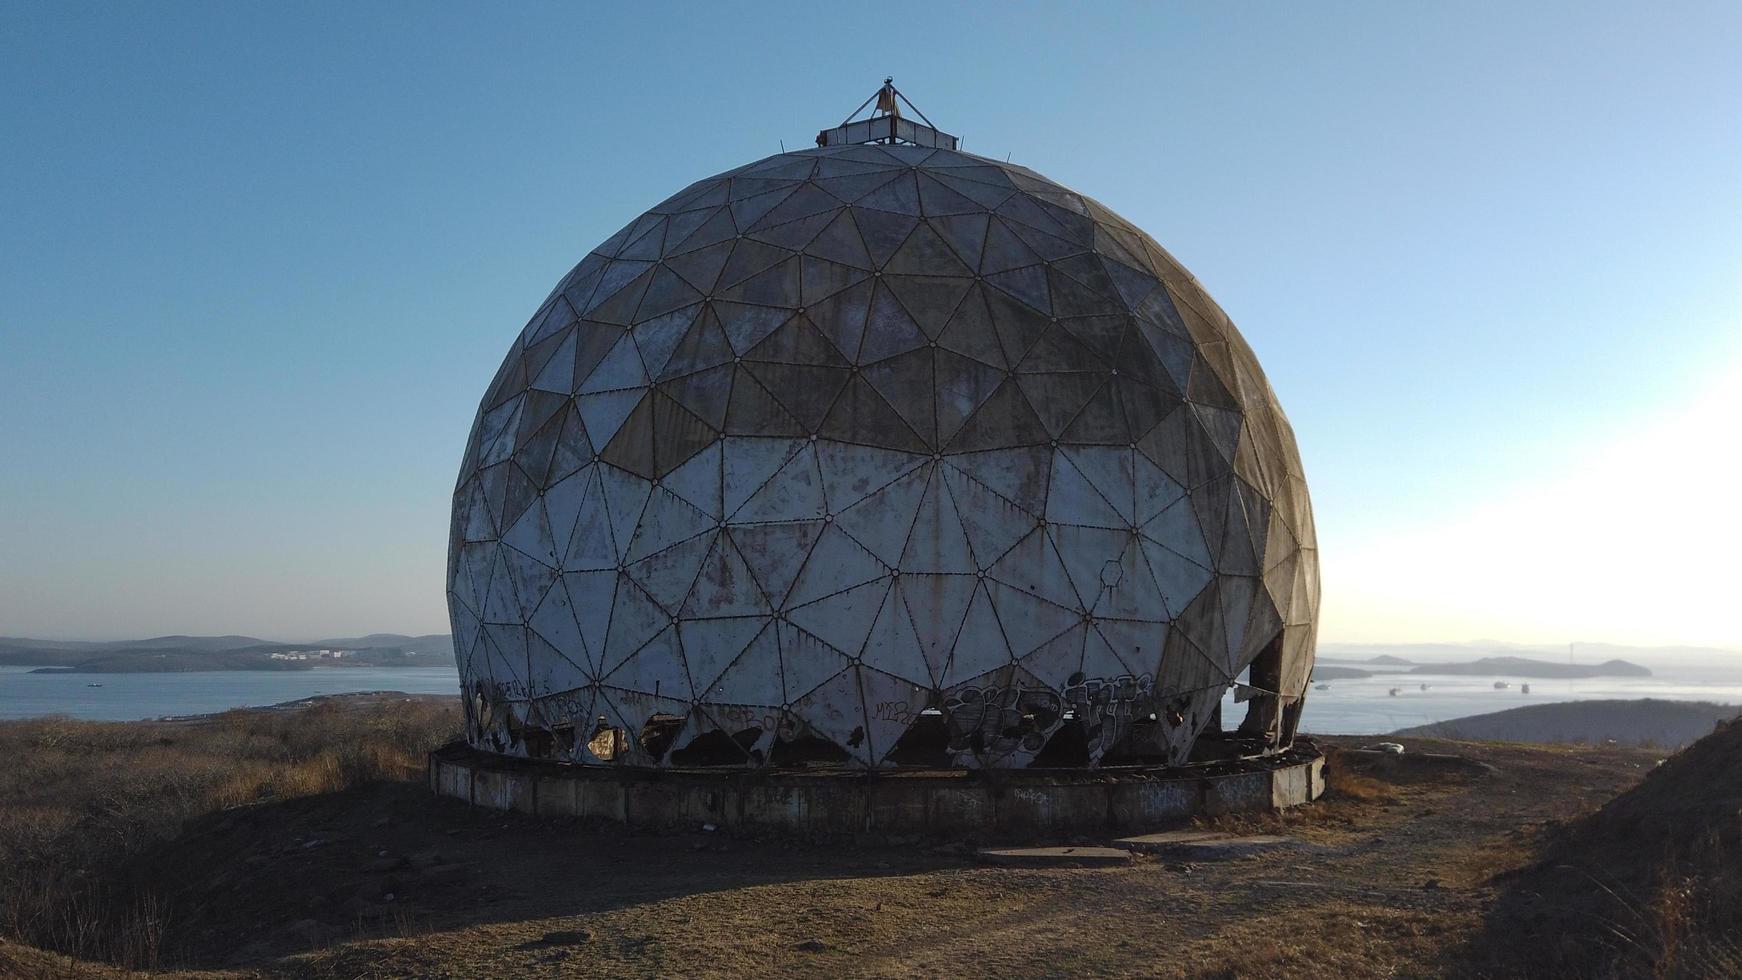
(1391, 886)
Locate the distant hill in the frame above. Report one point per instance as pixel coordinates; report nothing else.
(170, 662)
(199, 653)
(1383, 660)
(1526, 667)
(430, 643)
(23, 643)
(196, 653)
(1582, 650)
(1647, 721)
(1505, 666)
(208, 644)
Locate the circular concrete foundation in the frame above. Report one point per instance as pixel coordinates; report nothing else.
(959, 803)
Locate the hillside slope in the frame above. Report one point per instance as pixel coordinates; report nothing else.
(1647, 721)
(1650, 885)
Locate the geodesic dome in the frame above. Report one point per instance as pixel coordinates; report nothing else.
(879, 455)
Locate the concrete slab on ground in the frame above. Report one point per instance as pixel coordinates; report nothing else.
(1203, 844)
(1055, 857)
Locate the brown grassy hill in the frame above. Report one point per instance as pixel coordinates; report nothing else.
(1650, 722)
(88, 809)
(1650, 885)
(303, 844)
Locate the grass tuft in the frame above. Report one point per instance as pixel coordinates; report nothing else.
(1341, 780)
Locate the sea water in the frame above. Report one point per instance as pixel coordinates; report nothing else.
(1353, 707)
(1366, 706)
(127, 697)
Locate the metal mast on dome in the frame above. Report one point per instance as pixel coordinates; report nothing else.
(886, 124)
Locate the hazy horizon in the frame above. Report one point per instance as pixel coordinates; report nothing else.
(1479, 643)
(262, 265)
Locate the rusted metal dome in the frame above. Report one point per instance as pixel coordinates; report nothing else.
(879, 454)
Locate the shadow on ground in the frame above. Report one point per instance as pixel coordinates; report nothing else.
(1646, 886)
(1394, 874)
(389, 859)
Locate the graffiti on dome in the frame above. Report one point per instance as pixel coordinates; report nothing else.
(998, 720)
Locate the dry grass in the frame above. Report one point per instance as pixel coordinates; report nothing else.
(1646, 886)
(1342, 781)
(79, 799)
(1393, 878)
(1690, 923)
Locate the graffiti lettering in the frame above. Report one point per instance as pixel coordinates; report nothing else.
(999, 720)
(899, 712)
(1107, 707)
(994, 720)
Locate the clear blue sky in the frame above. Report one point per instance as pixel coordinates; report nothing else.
(259, 262)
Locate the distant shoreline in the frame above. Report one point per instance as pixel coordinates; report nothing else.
(193, 654)
(1346, 669)
(223, 668)
(348, 699)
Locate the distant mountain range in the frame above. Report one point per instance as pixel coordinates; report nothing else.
(1526, 667)
(231, 652)
(1417, 653)
(1383, 660)
(1331, 668)
(189, 653)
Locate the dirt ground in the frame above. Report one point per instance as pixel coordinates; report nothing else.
(388, 880)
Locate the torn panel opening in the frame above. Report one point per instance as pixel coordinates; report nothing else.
(608, 743)
(657, 735)
(539, 743)
(717, 747)
(925, 743)
(1068, 747)
(797, 744)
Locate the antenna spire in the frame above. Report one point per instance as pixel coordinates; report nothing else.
(886, 96)
(885, 123)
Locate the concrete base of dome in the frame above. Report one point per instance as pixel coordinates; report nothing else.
(961, 804)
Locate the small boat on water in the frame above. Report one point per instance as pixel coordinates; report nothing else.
(93, 684)
(1524, 689)
(1395, 690)
(1501, 685)
(1321, 687)
(1424, 687)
